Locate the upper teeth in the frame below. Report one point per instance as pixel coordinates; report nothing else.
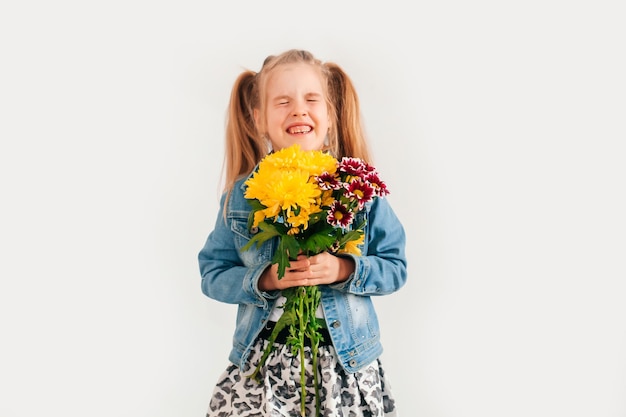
(300, 129)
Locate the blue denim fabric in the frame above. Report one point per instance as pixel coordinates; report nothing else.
(230, 275)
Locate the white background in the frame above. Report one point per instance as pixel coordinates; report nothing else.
(499, 127)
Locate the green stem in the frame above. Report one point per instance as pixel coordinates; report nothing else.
(302, 370)
(314, 350)
(286, 319)
(299, 314)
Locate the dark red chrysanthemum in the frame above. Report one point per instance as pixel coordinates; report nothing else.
(327, 181)
(352, 166)
(339, 215)
(360, 191)
(380, 188)
(368, 168)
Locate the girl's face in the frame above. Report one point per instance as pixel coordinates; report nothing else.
(296, 107)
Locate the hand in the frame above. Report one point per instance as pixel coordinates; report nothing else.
(323, 268)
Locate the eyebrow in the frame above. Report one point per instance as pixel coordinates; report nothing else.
(288, 97)
(280, 97)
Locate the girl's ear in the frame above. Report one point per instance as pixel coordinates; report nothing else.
(255, 115)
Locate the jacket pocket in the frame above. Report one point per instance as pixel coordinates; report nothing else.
(255, 254)
(239, 226)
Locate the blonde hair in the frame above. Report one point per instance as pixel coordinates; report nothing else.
(245, 143)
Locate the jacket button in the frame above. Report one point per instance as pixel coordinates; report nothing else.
(358, 283)
(336, 324)
(353, 362)
(254, 230)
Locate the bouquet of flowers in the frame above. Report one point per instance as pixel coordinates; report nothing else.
(309, 201)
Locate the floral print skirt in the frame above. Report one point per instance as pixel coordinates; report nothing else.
(364, 393)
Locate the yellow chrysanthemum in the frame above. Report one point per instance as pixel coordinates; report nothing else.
(302, 218)
(259, 216)
(293, 157)
(285, 188)
(293, 231)
(283, 184)
(317, 162)
(327, 198)
(352, 246)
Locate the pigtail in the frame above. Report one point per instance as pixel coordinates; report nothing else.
(348, 129)
(243, 148)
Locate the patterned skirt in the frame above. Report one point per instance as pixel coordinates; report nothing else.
(364, 393)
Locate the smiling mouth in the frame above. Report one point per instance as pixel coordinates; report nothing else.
(299, 129)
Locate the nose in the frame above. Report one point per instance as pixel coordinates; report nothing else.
(299, 109)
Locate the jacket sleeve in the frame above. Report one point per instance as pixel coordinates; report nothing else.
(224, 276)
(382, 269)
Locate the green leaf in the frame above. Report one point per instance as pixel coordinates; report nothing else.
(316, 217)
(267, 231)
(256, 206)
(288, 249)
(351, 235)
(318, 242)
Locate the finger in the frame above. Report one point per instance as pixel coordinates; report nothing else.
(300, 263)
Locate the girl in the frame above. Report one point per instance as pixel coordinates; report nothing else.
(297, 99)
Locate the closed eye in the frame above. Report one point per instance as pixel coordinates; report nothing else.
(313, 98)
(281, 100)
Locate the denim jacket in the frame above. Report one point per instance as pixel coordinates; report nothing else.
(230, 275)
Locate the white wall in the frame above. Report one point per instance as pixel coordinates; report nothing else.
(499, 128)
